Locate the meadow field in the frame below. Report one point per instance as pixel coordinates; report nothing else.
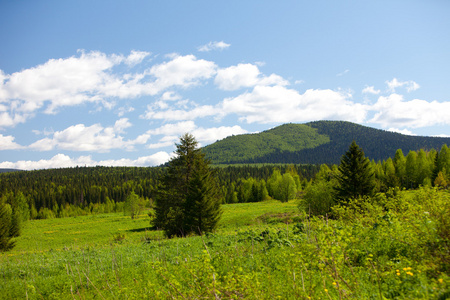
(389, 247)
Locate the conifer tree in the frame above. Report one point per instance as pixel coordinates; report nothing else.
(202, 207)
(187, 181)
(356, 177)
(8, 228)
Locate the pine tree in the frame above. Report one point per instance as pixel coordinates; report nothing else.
(187, 180)
(356, 178)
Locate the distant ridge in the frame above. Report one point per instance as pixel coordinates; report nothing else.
(315, 143)
(8, 170)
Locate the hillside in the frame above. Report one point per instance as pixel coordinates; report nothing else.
(315, 143)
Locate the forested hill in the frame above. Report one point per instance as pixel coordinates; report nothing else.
(315, 143)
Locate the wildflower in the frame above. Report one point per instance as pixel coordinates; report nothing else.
(441, 280)
(410, 273)
(398, 273)
(326, 291)
(334, 283)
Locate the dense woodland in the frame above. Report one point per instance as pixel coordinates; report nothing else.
(85, 190)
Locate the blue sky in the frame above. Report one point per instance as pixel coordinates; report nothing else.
(117, 82)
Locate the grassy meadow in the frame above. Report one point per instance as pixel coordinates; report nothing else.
(389, 247)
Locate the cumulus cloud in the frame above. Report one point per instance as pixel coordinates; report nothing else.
(183, 71)
(393, 110)
(370, 90)
(275, 104)
(213, 46)
(65, 161)
(7, 143)
(95, 138)
(244, 75)
(92, 77)
(409, 85)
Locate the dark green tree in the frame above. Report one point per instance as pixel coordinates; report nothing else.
(186, 176)
(9, 227)
(356, 177)
(202, 206)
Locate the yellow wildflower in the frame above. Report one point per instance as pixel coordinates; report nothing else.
(441, 280)
(326, 291)
(410, 273)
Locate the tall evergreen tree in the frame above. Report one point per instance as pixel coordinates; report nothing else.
(202, 207)
(187, 180)
(356, 177)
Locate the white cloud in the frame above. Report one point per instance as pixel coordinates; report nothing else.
(409, 85)
(279, 104)
(393, 110)
(136, 57)
(183, 71)
(123, 110)
(370, 90)
(172, 132)
(92, 77)
(244, 75)
(213, 46)
(173, 129)
(442, 135)
(93, 138)
(64, 161)
(180, 114)
(7, 143)
(209, 135)
(402, 131)
(170, 96)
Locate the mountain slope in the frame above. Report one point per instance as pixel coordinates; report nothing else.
(253, 147)
(315, 143)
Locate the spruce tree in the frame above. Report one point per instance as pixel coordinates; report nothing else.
(356, 177)
(187, 182)
(202, 206)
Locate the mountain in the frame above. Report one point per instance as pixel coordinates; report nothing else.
(315, 143)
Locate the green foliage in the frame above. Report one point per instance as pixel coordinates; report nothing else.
(355, 177)
(132, 205)
(188, 199)
(318, 198)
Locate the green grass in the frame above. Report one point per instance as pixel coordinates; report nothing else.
(367, 254)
